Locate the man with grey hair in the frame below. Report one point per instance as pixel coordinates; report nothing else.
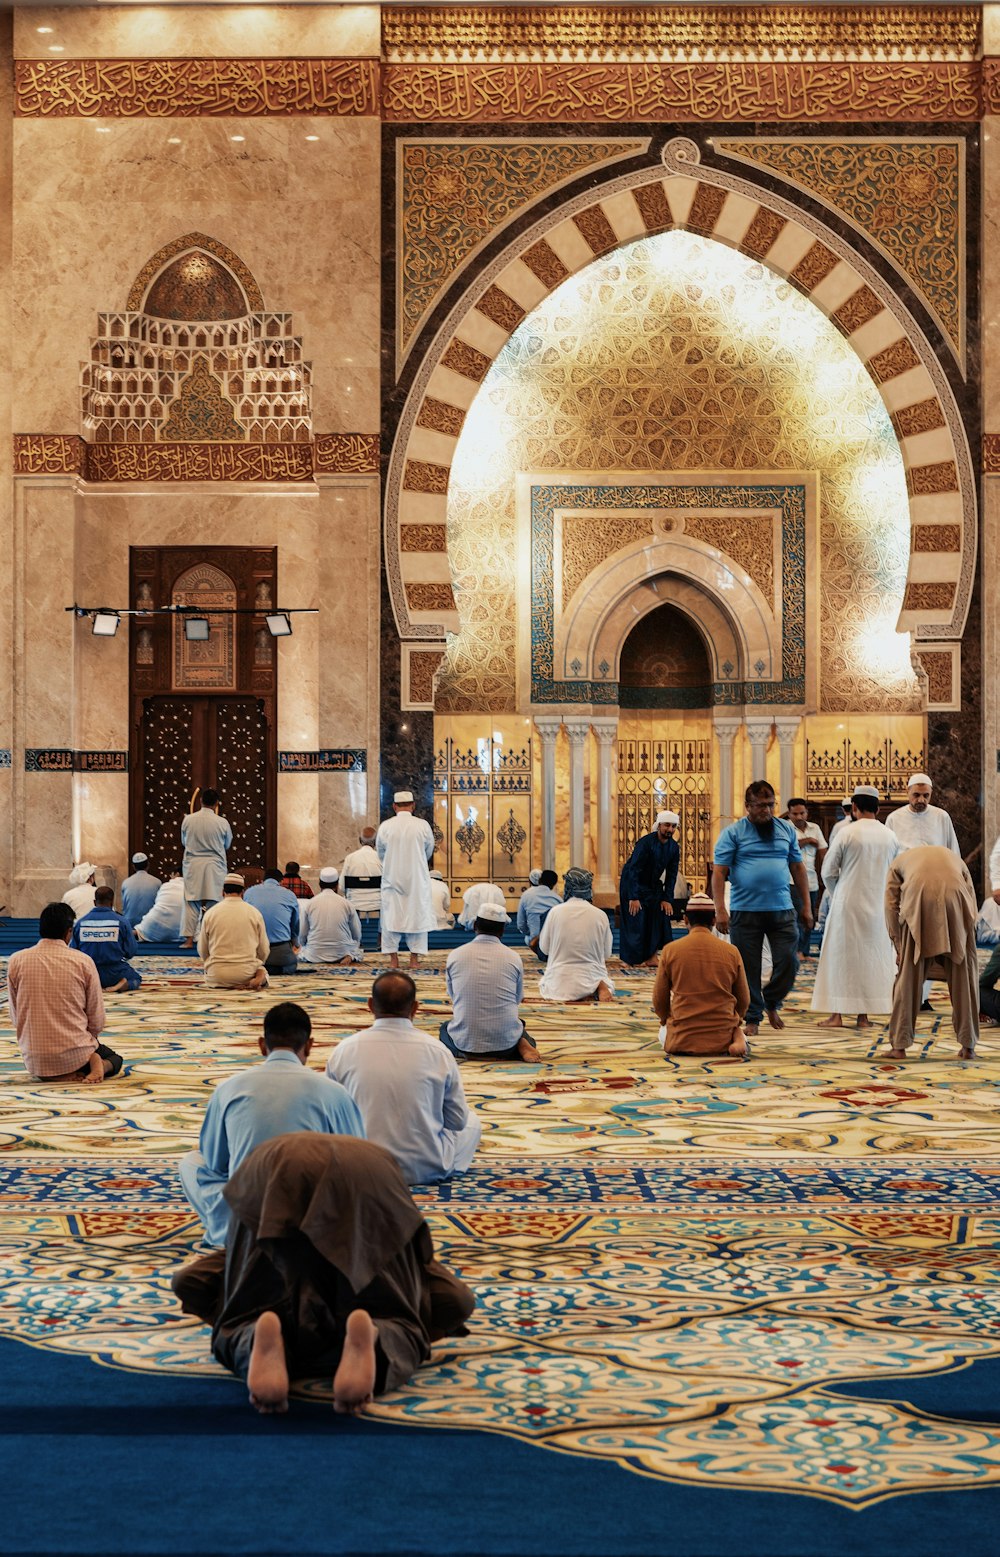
(577, 942)
(361, 873)
(919, 822)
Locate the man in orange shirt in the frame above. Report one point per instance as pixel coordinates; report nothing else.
(701, 990)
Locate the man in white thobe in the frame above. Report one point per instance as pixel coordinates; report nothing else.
(165, 920)
(473, 899)
(857, 964)
(330, 929)
(361, 874)
(442, 901)
(206, 836)
(576, 939)
(404, 844)
(407, 1086)
(82, 888)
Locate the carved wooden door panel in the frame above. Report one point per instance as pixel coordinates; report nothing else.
(167, 761)
(240, 738)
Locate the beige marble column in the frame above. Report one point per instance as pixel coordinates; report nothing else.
(787, 730)
(578, 731)
(548, 728)
(606, 731)
(759, 732)
(726, 731)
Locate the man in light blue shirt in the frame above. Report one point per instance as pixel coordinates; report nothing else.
(279, 910)
(534, 905)
(139, 890)
(756, 855)
(485, 983)
(280, 1097)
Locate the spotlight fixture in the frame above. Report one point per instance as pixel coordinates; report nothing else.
(279, 625)
(106, 623)
(196, 629)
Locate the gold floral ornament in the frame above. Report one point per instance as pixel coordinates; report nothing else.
(470, 836)
(511, 837)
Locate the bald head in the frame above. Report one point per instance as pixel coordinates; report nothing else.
(393, 994)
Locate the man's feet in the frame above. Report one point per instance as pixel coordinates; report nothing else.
(259, 980)
(414, 963)
(862, 1020)
(526, 1049)
(750, 1028)
(651, 962)
(966, 1054)
(267, 1377)
(774, 1019)
(739, 1047)
(393, 960)
(604, 994)
(354, 1380)
(897, 1054)
(116, 989)
(188, 945)
(832, 1021)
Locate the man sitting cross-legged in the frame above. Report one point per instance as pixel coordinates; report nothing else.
(485, 983)
(109, 941)
(576, 939)
(407, 1086)
(329, 1269)
(57, 1007)
(276, 1098)
(331, 929)
(232, 941)
(701, 991)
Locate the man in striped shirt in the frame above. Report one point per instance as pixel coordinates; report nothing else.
(486, 984)
(57, 1006)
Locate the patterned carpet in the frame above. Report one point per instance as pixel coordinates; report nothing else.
(681, 1266)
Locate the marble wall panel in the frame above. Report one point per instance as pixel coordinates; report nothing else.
(6, 490)
(93, 200)
(198, 31)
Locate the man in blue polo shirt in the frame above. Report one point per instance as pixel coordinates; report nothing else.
(755, 855)
(109, 940)
(279, 909)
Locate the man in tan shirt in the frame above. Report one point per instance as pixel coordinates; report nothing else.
(232, 941)
(930, 913)
(701, 990)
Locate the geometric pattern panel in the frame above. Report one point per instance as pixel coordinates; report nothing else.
(907, 197)
(483, 810)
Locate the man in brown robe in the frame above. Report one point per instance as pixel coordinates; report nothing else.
(701, 990)
(930, 912)
(328, 1268)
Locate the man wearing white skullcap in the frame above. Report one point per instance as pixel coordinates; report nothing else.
(82, 888)
(646, 893)
(857, 964)
(331, 928)
(139, 890)
(919, 822)
(232, 940)
(405, 845)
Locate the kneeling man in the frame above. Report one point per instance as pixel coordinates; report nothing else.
(485, 984)
(329, 1269)
(57, 1007)
(701, 991)
(576, 939)
(232, 941)
(109, 941)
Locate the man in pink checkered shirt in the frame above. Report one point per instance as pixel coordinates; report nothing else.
(57, 1006)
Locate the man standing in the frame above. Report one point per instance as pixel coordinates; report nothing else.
(646, 893)
(700, 992)
(576, 941)
(407, 1087)
(919, 822)
(813, 847)
(362, 875)
(57, 1007)
(232, 941)
(206, 836)
(756, 855)
(485, 983)
(857, 965)
(279, 910)
(534, 906)
(404, 844)
(930, 912)
(845, 819)
(276, 1098)
(139, 890)
(109, 941)
(82, 888)
(331, 929)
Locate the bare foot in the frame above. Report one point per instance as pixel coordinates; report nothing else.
(259, 980)
(966, 1054)
(116, 989)
(774, 1019)
(393, 960)
(267, 1378)
(832, 1021)
(188, 944)
(897, 1054)
(651, 962)
(862, 1020)
(526, 1049)
(354, 1380)
(414, 964)
(604, 994)
(738, 1046)
(751, 1029)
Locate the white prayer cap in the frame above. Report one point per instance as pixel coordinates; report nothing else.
(918, 778)
(700, 901)
(867, 789)
(494, 912)
(329, 874)
(667, 816)
(81, 873)
(140, 859)
(403, 797)
(234, 879)
(534, 877)
(846, 800)
(436, 875)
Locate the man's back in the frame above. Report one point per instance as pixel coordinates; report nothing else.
(929, 890)
(232, 931)
(278, 1097)
(104, 936)
(701, 982)
(278, 908)
(361, 874)
(331, 928)
(485, 982)
(57, 1007)
(139, 894)
(204, 833)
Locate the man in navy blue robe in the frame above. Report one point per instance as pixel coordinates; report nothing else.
(646, 893)
(109, 940)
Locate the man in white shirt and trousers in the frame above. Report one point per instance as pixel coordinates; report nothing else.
(920, 822)
(405, 845)
(857, 965)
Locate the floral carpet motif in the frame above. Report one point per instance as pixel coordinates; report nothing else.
(678, 1264)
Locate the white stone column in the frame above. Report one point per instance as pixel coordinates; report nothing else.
(759, 731)
(788, 730)
(578, 730)
(548, 728)
(726, 731)
(606, 731)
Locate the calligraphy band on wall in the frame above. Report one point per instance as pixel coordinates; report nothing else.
(329, 759)
(62, 759)
(49, 454)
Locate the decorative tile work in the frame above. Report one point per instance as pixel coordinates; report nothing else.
(466, 360)
(346, 454)
(100, 762)
(199, 462)
(747, 549)
(861, 306)
(841, 91)
(5, 757)
(654, 207)
(543, 262)
(595, 228)
(196, 286)
(831, 774)
(813, 267)
(430, 597)
(939, 666)
(421, 476)
(762, 232)
(923, 416)
(423, 664)
(905, 196)
(423, 537)
(705, 208)
(937, 537)
(201, 413)
(329, 759)
(991, 454)
(896, 359)
(928, 597)
(923, 480)
(454, 196)
(503, 310)
(586, 543)
(193, 88)
(442, 418)
(48, 454)
(193, 240)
